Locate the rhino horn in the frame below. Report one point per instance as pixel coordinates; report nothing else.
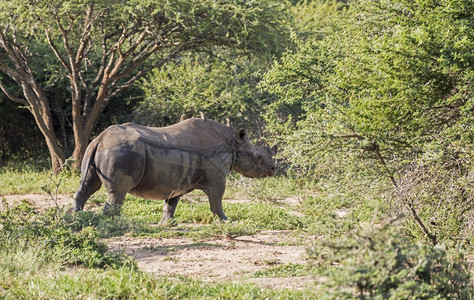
(274, 150)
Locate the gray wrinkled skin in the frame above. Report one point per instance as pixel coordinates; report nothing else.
(166, 163)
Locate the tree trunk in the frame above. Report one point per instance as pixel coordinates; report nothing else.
(41, 111)
(81, 140)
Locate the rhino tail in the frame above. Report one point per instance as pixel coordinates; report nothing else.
(89, 161)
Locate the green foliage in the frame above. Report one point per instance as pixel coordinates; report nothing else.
(246, 218)
(440, 192)
(79, 56)
(377, 263)
(223, 88)
(27, 178)
(389, 91)
(287, 270)
(55, 235)
(314, 19)
(358, 86)
(104, 226)
(225, 23)
(129, 283)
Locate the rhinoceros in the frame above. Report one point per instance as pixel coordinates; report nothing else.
(164, 163)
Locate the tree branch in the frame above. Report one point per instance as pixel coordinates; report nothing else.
(23, 74)
(65, 34)
(138, 41)
(85, 35)
(12, 51)
(56, 52)
(13, 98)
(143, 72)
(10, 72)
(376, 149)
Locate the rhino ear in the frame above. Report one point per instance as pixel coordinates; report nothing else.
(274, 150)
(240, 136)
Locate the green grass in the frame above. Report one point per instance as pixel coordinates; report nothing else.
(35, 182)
(26, 273)
(268, 216)
(140, 216)
(129, 283)
(315, 214)
(54, 255)
(286, 270)
(245, 219)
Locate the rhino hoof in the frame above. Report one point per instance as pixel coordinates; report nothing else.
(168, 222)
(111, 210)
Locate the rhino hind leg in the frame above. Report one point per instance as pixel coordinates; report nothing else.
(114, 203)
(169, 207)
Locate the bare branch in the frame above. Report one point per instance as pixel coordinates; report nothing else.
(138, 42)
(85, 35)
(134, 63)
(12, 51)
(376, 149)
(13, 98)
(23, 73)
(117, 89)
(56, 52)
(13, 74)
(67, 46)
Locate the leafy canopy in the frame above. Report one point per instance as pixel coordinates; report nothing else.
(396, 73)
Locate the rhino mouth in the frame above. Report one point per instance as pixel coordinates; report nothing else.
(269, 171)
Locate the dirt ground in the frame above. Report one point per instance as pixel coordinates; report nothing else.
(218, 259)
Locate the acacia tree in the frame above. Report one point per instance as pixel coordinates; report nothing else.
(104, 47)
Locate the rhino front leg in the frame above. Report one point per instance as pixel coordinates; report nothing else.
(169, 207)
(215, 195)
(90, 184)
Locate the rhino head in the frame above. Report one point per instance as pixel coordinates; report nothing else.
(255, 161)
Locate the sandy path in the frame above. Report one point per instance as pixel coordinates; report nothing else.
(220, 259)
(40, 201)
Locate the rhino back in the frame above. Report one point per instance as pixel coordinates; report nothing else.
(194, 135)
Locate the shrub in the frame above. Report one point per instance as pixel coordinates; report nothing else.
(389, 89)
(55, 234)
(378, 263)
